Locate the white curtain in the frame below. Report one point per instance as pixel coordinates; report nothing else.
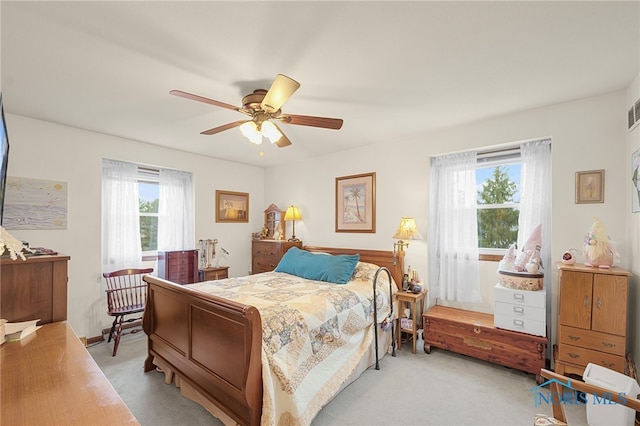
(120, 216)
(175, 211)
(453, 236)
(535, 196)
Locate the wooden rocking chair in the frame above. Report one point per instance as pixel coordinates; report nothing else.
(126, 295)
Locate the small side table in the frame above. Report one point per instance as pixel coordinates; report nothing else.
(416, 303)
(209, 274)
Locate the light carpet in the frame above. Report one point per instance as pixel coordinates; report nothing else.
(441, 388)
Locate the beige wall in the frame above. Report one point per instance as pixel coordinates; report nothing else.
(586, 134)
(42, 150)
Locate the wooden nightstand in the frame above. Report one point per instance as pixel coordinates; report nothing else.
(413, 300)
(210, 274)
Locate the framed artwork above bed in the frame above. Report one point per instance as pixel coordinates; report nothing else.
(356, 203)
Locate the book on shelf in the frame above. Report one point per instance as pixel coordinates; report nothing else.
(14, 331)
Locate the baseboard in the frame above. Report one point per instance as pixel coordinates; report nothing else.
(105, 332)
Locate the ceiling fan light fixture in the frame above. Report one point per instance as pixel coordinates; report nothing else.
(271, 131)
(250, 131)
(280, 91)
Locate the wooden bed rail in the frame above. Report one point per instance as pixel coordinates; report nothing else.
(211, 344)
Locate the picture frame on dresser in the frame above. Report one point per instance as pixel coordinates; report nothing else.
(356, 203)
(232, 207)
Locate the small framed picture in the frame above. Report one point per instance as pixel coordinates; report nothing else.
(637, 107)
(632, 117)
(356, 203)
(590, 187)
(232, 206)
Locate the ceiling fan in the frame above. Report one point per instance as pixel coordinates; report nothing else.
(263, 108)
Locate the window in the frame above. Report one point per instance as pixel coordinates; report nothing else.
(498, 200)
(148, 199)
(143, 210)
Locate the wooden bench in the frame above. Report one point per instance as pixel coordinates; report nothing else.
(473, 334)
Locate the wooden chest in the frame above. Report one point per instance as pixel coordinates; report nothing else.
(473, 334)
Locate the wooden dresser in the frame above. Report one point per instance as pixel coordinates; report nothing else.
(265, 254)
(49, 378)
(592, 324)
(179, 266)
(34, 288)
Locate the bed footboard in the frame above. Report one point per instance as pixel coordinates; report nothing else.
(211, 346)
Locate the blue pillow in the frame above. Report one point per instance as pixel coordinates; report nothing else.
(320, 267)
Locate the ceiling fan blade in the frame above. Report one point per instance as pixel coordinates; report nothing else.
(186, 95)
(223, 127)
(284, 140)
(307, 120)
(280, 91)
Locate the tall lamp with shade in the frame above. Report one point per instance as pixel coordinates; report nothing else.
(293, 213)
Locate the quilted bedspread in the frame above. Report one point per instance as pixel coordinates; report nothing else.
(314, 334)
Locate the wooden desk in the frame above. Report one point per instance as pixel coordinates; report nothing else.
(50, 378)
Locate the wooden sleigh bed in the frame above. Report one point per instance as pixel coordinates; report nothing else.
(211, 347)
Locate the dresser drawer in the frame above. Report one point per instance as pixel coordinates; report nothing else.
(582, 356)
(264, 264)
(536, 299)
(520, 311)
(603, 342)
(520, 324)
(264, 249)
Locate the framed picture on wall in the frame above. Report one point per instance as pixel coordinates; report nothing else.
(590, 187)
(232, 206)
(356, 203)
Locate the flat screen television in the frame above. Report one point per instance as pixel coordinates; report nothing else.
(4, 158)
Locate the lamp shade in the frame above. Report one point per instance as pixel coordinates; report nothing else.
(408, 230)
(292, 213)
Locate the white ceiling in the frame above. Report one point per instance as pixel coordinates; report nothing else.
(392, 70)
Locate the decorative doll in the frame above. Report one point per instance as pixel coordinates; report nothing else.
(598, 249)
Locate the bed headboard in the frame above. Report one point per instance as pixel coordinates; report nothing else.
(394, 261)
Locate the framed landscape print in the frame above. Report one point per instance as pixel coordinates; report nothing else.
(232, 206)
(356, 203)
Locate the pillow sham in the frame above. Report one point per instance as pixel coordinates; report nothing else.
(335, 269)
